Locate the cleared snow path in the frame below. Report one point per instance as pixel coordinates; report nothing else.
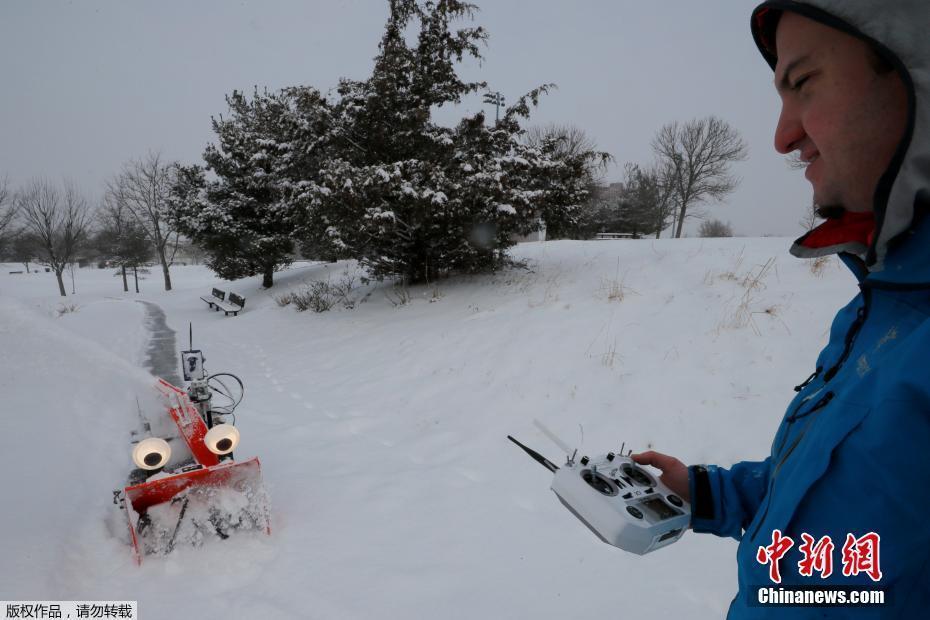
(161, 354)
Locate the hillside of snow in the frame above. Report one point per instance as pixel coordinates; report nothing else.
(382, 429)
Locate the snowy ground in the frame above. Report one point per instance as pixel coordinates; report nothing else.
(382, 430)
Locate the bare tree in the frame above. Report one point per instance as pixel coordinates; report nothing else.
(113, 219)
(697, 157)
(23, 249)
(809, 221)
(794, 161)
(7, 213)
(56, 221)
(662, 177)
(715, 228)
(143, 188)
(121, 239)
(570, 142)
(570, 139)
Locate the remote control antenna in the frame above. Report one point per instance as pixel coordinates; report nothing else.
(621, 448)
(539, 458)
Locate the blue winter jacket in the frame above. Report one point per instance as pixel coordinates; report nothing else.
(852, 453)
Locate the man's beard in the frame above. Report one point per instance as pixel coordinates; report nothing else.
(830, 212)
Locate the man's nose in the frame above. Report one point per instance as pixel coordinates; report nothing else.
(789, 132)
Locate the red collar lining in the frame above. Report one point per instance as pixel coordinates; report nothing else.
(850, 228)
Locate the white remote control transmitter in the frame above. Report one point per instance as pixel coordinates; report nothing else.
(624, 505)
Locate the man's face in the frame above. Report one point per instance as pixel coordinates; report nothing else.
(842, 117)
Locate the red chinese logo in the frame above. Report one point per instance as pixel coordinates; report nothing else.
(860, 555)
(773, 553)
(817, 557)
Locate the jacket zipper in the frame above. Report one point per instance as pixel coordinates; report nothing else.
(820, 404)
(861, 314)
(791, 419)
(807, 381)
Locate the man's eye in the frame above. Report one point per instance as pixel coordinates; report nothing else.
(797, 85)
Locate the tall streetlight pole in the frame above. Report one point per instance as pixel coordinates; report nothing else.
(498, 100)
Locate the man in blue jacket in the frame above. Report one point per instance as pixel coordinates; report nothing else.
(843, 499)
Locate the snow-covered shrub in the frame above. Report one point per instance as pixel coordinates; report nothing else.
(398, 295)
(64, 309)
(715, 228)
(316, 296)
(322, 295)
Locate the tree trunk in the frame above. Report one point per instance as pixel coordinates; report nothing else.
(268, 277)
(61, 283)
(681, 221)
(125, 284)
(135, 275)
(27, 267)
(164, 268)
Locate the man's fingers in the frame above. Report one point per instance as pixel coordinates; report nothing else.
(674, 472)
(656, 459)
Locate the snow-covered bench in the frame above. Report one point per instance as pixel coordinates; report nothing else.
(234, 305)
(604, 235)
(215, 298)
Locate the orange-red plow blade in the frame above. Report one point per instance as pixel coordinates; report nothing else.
(172, 507)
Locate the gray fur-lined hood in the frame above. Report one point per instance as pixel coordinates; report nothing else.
(898, 30)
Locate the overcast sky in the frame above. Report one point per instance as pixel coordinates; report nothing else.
(88, 85)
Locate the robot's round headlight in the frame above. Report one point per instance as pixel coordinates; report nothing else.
(152, 453)
(222, 439)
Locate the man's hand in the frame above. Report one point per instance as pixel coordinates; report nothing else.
(674, 472)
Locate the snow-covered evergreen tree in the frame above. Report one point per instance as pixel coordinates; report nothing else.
(242, 216)
(641, 209)
(411, 198)
(370, 176)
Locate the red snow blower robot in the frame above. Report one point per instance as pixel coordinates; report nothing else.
(187, 487)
